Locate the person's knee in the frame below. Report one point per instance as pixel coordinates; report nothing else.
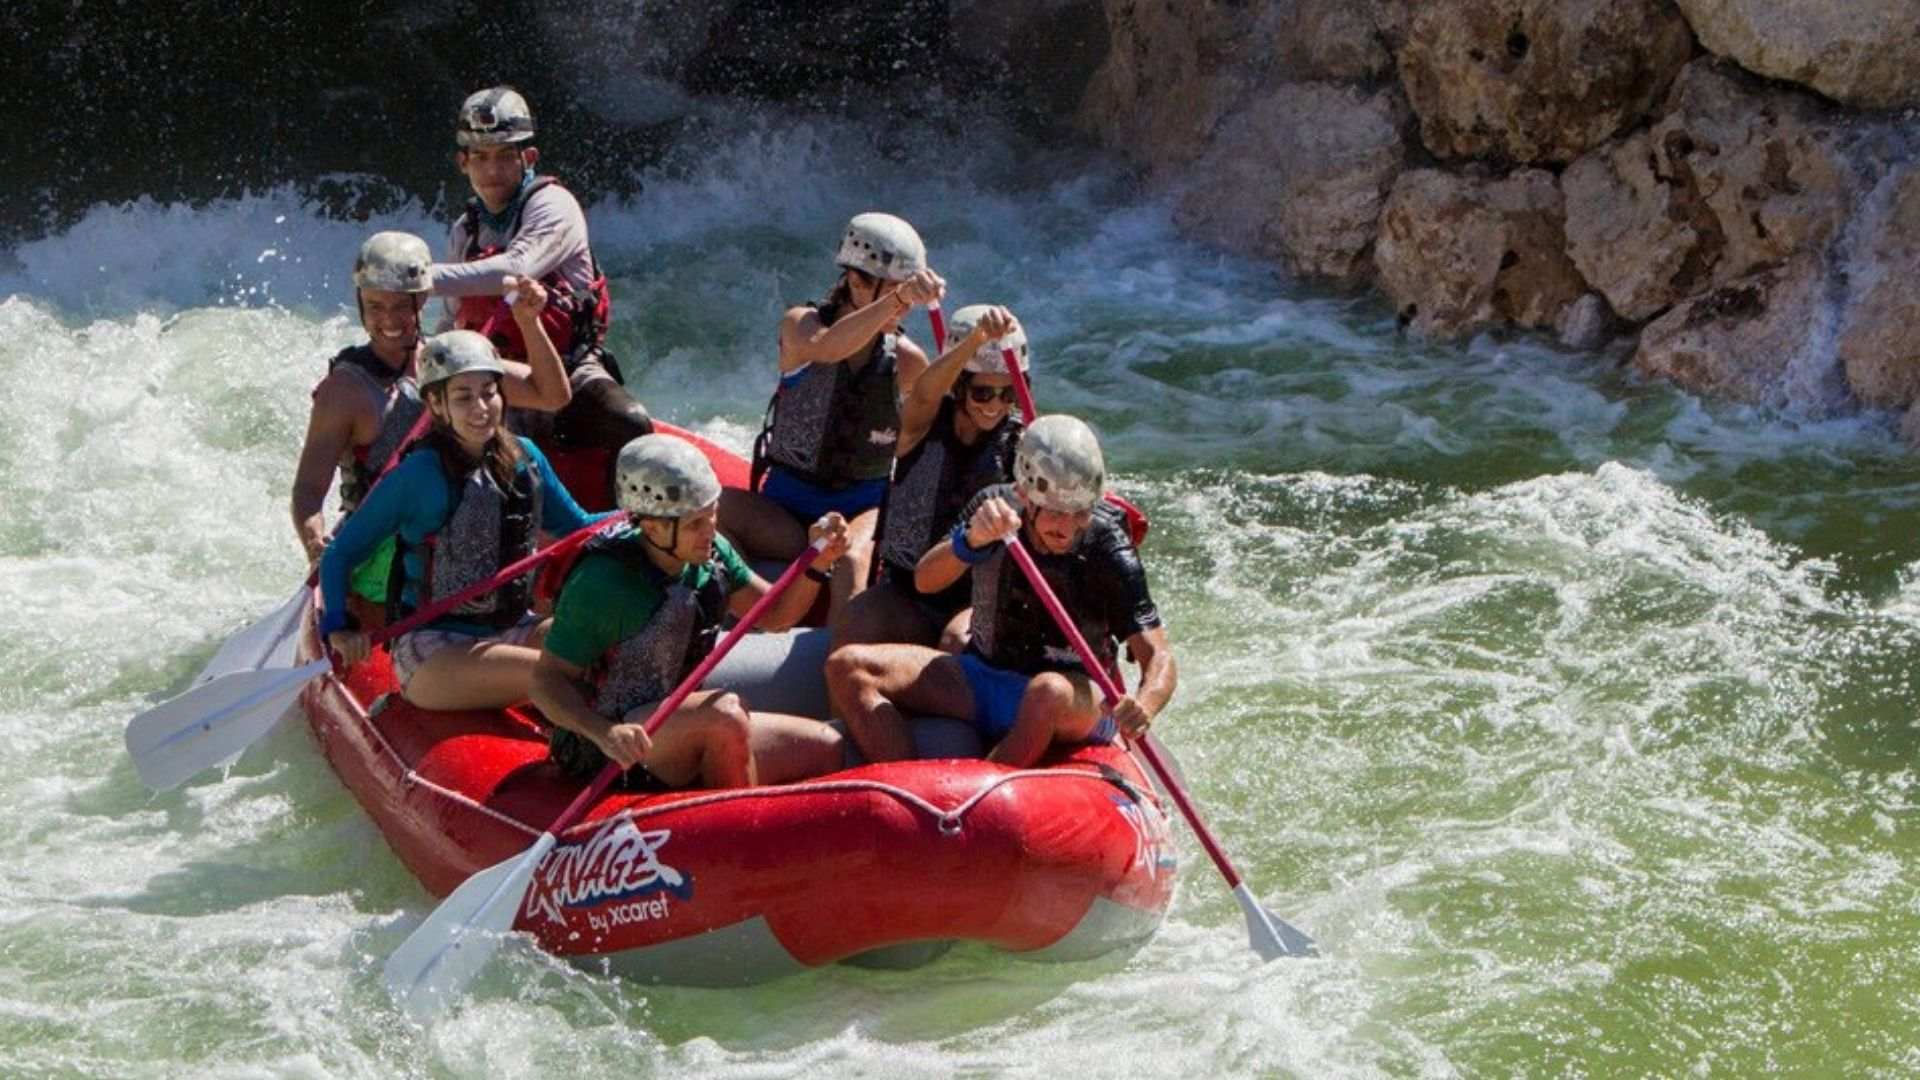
(952, 639)
(849, 672)
(854, 562)
(603, 413)
(726, 724)
(1048, 693)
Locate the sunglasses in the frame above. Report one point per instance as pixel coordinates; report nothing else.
(980, 395)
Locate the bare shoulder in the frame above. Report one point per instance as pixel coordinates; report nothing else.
(341, 397)
(909, 352)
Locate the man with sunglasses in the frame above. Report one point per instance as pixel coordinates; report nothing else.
(523, 225)
(1019, 681)
(958, 431)
(845, 366)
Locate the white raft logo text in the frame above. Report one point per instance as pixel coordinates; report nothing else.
(1152, 841)
(619, 862)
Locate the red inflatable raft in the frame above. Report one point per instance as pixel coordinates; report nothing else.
(883, 864)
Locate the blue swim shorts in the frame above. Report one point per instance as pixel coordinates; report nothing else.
(996, 701)
(808, 502)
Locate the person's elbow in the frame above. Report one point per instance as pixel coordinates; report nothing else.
(543, 687)
(553, 399)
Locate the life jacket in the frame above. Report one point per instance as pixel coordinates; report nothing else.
(935, 481)
(682, 632)
(400, 409)
(576, 323)
(487, 527)
(834, 426)
(1013, 631)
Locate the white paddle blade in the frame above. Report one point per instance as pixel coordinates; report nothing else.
(1271, 936)
(267, 642)
(437, 961)
(212, 723)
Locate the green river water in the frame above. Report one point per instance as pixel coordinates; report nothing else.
(1574, 716)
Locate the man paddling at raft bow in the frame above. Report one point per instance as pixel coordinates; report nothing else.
(368, 404)
(957, 436)
(1019, 681)
(524, 226)
(469, 499)
(641, 609)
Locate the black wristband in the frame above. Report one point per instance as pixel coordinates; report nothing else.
(821, 576)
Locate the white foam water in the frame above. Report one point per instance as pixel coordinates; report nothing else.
(1570, 714)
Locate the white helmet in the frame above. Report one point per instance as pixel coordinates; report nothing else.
(660, 476)
(1058, 465)
(457, 352)
(493, 116)
(882, 245)
(987, 360)
(394, 262)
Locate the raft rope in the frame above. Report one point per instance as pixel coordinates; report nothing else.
(950, 822)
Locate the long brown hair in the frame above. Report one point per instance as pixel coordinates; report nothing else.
(501, 455)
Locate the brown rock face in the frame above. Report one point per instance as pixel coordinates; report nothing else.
(1879, 341)
(1736, 176)
(1536, 81)
(1047, 48)
(1299, 175)
(1740, 340)
(1458, 254)
(1328, 40)
(1862, 52)
(1170, 75)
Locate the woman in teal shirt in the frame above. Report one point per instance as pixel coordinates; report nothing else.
(470, 499)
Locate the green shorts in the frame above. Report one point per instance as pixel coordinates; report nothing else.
(369, 579)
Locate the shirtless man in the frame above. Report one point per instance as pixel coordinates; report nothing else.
(368, 405)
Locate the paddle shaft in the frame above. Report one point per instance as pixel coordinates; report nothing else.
(938, 320)
(1112, 693)
(1020, 388)
(687, 686)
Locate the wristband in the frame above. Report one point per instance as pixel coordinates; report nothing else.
(966, 552)
(821, 576)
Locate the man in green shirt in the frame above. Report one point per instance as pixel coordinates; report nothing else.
(641, 609)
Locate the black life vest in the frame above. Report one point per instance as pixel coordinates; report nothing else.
(400, 409)
(576, 323)
(931, 485)
(1013, 631)
(682, 632)
(487, 527)
(835, 425)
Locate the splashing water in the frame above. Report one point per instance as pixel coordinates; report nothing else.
(1573, 716)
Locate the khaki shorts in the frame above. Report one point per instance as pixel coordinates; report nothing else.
(410, 651)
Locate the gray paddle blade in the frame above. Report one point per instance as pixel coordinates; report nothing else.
(212, 723)
(434, 965)
(1270, 935)
(266, 642)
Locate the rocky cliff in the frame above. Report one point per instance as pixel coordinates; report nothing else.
(1730, 183)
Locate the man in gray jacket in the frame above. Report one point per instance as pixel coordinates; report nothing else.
(523, 225)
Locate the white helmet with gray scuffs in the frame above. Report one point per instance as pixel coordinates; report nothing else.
(986, 360)
(1058, 465)
(660, 476)
(882, 245)
(494, 116)
(457, 352)
(394, 262)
